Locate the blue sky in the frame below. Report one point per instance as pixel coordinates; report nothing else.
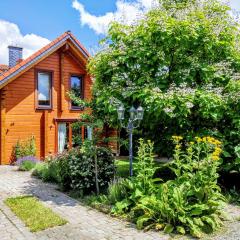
(33, 23)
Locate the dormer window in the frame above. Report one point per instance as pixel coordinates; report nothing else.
(76, 85)
(44, 90)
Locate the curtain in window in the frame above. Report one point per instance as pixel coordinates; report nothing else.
(62, 130)
(89, 133)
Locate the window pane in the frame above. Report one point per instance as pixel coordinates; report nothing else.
(76, 88)
(44, 85)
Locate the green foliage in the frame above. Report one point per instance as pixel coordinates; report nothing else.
(181, 62)
(27, 166)
(117, 191)
(233, 196)
(38, 169)
(25, 148)
(48, 171)
(82, 168)
(190, 203)
(75, 169)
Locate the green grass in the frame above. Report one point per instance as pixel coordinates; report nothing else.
(33, 213)
(122, 167)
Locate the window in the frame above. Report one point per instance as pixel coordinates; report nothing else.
(77, 88)
(44, 91)
(71, 135)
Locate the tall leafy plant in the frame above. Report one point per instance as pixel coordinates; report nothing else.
(191, 203)
(25, 148)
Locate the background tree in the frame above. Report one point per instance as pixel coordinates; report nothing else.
(181, 62)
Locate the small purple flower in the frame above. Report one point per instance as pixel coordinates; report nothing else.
(27, 158)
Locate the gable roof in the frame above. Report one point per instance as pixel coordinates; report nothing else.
(24, 65)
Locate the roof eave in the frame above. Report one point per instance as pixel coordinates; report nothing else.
(44, 53)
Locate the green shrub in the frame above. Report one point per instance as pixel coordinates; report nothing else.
(75, 169)
(47, 171)
(190, 203)
(63, 171)
(27, 165)
(117, 191)
(25, 148)
(82, 168)
(38, 169)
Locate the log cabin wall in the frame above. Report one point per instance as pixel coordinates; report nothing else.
(19, 117)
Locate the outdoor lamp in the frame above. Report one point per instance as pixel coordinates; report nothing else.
(140, 112)
(135, 114)
(132, 112)
(120, 112)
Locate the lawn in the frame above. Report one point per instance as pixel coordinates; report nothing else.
(122, 167)
(33, 213)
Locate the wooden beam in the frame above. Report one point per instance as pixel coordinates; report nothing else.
(45, 133)
(80, 63)
(56, 137)
(83, 133)
(70, 135)
(3, 127)
(61, 83)
(77, 53)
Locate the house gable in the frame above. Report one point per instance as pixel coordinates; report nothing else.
(20, 117)
(65, 39)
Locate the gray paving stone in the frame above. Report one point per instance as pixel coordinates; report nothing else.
(84, 222)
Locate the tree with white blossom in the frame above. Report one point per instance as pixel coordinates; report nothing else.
(181, 61)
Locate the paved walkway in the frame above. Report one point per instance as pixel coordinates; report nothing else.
(84, 223)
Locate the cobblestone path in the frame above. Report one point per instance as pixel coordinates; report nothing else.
(83, 222)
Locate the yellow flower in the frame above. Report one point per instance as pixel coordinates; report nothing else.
(215, 158)
(177, 138)
(178, 146)
(218, 149)
(198, 139)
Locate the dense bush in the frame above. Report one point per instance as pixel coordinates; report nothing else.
(27, 163)
(190, 203)
(24, 148)
(75, 169)
(47, 171)
(82, 168)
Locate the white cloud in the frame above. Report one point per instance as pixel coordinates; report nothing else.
(126, 12)
(10, 35)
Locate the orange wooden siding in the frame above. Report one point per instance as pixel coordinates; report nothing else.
(22, 118)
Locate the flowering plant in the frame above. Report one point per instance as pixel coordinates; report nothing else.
(27, 163)
(189, 203)
(182, 64)
(196, 155)
(27, 158)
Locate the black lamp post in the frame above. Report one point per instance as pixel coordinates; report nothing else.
(136, 115)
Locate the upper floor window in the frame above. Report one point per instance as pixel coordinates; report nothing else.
(77, 88)
(44, 89)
